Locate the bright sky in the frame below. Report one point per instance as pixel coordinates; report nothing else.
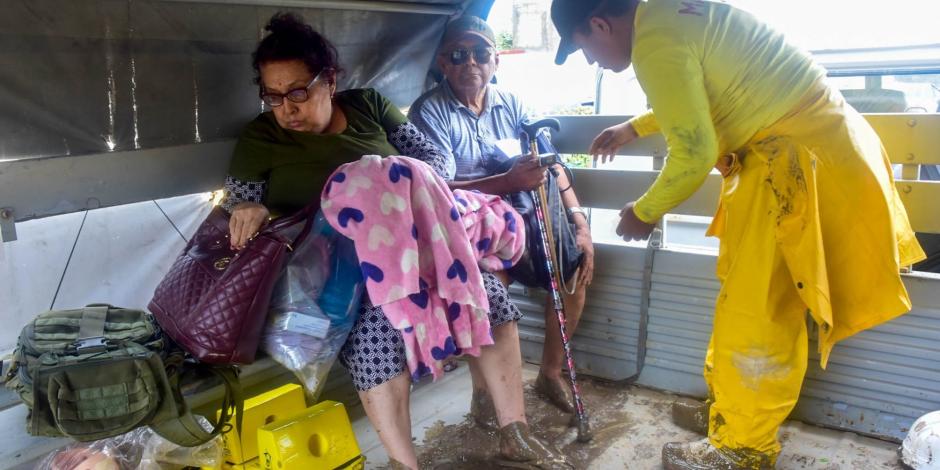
(839, 24)
(824, 24)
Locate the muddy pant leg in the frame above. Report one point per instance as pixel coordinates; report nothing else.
(759, 344)
(759, 364)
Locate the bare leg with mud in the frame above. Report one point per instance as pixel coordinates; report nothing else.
(500, 368)
(387, 406)
(482, 409)
(552, 382)
(497, 377)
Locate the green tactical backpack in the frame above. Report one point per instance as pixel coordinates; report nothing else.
(101, 371)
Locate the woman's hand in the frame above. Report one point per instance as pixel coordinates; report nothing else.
(606, 144)
(631, 227)
(247, 219)
(584, 242)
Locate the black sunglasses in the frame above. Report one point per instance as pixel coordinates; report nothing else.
(481, 55)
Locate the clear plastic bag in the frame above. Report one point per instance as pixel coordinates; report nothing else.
(140, 449)
(314, 306)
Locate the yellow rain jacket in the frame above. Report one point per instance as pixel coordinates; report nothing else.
(809, 218)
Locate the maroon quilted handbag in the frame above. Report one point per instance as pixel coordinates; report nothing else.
(214, 300)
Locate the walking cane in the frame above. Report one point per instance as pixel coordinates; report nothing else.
(546, 234)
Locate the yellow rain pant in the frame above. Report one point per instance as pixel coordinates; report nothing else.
(810, 223)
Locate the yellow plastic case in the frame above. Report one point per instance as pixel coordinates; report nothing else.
(321, 437)
(268, 407)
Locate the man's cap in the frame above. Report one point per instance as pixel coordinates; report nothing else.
(468, 24)
(567, 15)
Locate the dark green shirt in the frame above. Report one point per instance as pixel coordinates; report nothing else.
(295, 165)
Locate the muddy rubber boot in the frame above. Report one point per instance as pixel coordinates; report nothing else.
(557, 392)
(518, 448)
(483, 411)
(691, 415)
(702, 455)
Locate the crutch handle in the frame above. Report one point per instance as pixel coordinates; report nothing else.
(531, 128)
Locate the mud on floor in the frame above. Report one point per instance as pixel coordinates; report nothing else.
(465, 446)
(630, 425)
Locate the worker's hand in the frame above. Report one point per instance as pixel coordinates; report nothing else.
(583, 239)
(606, 144)
(247, 219)
(631, 227)
(525, 175)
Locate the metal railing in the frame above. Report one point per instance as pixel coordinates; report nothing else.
(911, 140)
(111, 179)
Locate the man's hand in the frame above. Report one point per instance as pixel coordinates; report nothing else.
(631, 227)
(247, 219)
(525, 175)
(606, 144)
(583, 239)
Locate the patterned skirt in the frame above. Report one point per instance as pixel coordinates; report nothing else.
(375, 351)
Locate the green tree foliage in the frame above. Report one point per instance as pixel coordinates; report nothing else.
(504, 41)
(575, 160)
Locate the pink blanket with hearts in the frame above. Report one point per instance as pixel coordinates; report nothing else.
(421, 248)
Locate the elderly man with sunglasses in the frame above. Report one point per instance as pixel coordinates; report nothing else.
(465, 116)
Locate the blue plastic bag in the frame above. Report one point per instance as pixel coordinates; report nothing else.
(314, 306)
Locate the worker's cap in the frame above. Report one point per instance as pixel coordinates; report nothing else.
(468, 24)
(568, 15)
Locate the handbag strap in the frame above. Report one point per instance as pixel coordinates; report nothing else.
(185, 430)
(303, 215)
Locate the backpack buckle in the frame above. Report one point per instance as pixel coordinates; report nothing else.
(95, 344)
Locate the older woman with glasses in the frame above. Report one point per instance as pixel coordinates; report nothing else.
(281, 163)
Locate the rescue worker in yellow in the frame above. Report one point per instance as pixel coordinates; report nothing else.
(809, 218)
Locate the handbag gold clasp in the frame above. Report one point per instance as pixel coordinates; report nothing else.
(221, 263)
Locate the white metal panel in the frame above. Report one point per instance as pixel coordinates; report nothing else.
(115, 255)
(877, 382)
(908, 138)
(882, 379)
(186, 212)
(577, 133)
(30, 271)
(682, 300)
(611, 189)
(123, 253)
(605, 343)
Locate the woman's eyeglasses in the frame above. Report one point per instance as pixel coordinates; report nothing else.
(481, 55)
(297, 95)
